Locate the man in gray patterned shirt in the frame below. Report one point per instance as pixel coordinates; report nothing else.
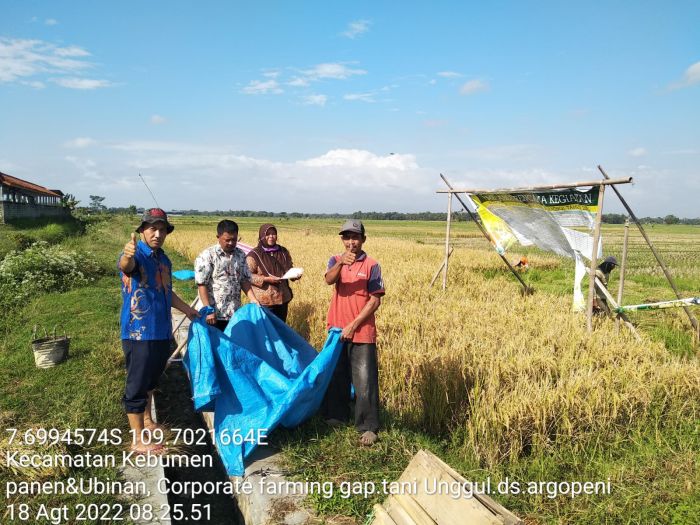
(221, 272)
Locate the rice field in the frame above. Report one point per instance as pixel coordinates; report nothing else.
(504, 375)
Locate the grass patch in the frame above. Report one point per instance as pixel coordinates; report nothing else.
(20, 234)
(653, 472)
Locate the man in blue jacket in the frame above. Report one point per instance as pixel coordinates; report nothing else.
(146, 323)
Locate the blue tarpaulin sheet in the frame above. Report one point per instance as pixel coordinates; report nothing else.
(184, 275)
(256, 374)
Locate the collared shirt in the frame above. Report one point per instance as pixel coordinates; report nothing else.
(356, 283)
(147, 296)
(223, 274)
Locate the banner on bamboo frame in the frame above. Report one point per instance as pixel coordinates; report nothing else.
(545, 219)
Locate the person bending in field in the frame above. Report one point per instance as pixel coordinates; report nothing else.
(359, 289)
(221, 272)
(146, 324)
(600, 302)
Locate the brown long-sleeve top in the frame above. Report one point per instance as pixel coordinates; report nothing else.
(268, 294)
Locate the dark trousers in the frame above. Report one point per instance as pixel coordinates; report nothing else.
(357, 364)
(221, 324)
(145, 362)
(280, 310)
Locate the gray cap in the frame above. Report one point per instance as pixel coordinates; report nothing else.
(354, 226)
(610, 260)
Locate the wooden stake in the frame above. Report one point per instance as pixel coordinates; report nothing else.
(623, 266)
(543, 188)
(441, 267)
(594, 259)
(447, 241)
(692, 318)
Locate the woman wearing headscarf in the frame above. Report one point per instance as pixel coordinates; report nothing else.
(271, 261)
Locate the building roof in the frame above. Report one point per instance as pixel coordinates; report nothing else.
(14, 182)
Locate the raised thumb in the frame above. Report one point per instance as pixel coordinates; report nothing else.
(133, 237)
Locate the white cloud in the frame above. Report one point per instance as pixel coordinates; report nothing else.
(157, 119)
(50, 22)
(154, 155)
(87, 167)
(363, 97)
(637, 152)
(302, 78)
(473, 86)
(449, 74)
(315, 100)
(355, 158)
(71, 51)
(263, 87)
(432, 82)
(185, 175)
(29, 61)
(81, 163)
(356, 28)
(36, 84)
(298, 82)
(334, 70)
(80, 142)
(493, 179)
(690, 77)
(81, 83)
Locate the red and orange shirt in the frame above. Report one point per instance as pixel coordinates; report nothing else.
(356, 283)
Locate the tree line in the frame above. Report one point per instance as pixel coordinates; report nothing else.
(97, 206)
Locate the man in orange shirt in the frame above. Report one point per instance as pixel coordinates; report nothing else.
(358, 293)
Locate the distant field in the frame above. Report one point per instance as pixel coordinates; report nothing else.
(678, 245)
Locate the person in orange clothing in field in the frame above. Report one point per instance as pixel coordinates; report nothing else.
(358, 293)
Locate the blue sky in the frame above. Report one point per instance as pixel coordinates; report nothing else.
(344, 106)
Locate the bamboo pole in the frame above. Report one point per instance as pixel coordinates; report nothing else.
(447, 241)
(527, 290)
(174, 355)
(185, 317)
(440, 269)
(690, 301)
(177, 354)
(549, 187)
(693, 320)
(623, 266)
(594, 259)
